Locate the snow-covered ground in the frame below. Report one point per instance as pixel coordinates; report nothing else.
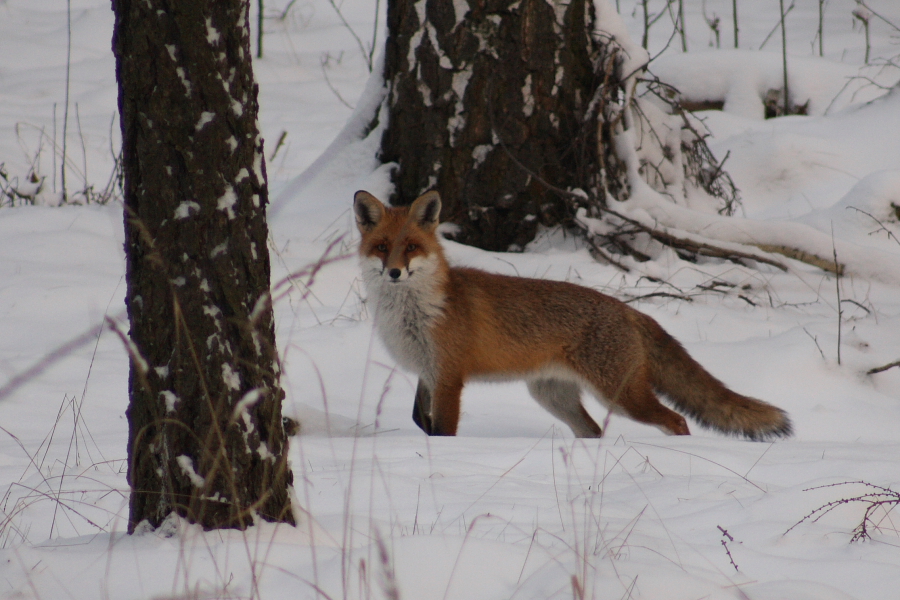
(513, 507)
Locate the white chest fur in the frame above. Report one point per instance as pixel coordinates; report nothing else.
(405, 312)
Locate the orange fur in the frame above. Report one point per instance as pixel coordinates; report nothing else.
(453, 325)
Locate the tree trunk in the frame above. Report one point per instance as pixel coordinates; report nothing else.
(206, 439)
(494, 103)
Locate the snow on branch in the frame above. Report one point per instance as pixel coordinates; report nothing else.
(667, 187)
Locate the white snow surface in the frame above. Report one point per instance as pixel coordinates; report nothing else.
(741, 78)
(513, 507)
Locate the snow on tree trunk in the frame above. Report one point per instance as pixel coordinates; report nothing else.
(494, 104)
(206, 439)
(538, 112)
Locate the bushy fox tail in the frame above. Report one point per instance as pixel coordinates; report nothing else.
(699, 395)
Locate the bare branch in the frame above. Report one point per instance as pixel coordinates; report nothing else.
(896, 363)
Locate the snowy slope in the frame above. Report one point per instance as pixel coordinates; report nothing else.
(514, 507)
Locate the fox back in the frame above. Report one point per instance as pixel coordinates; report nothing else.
(452, 325)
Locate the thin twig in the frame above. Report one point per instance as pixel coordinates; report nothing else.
(53, 357)
(366, 55)
(787, 96)
(259, 29)
(896, 363)
(658, 295)
(816, 342)
(87, 196)
(821, 21)
(859, 304)
(777, 25)
(66, 111)
(884, 228)
(734, 16)
(727, 535)
(371, 56)
(279, 143)
(869, 8)
(324, 61)
(876, 497)
(837, 286)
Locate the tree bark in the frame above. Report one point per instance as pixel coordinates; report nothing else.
(206, 439)
(492, 103)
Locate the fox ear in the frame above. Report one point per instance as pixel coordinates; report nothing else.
(426, 210)
(369, 210)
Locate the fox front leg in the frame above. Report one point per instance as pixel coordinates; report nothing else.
(445, 405)
(422, 409)
(436, 411)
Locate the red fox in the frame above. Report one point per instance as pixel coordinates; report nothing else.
(452, 325)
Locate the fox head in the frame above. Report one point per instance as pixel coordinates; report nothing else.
(399, 243)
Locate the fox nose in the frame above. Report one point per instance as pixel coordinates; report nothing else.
(394, 273)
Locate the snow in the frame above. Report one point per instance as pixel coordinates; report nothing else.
(527, 97)
(237, 108)
(184, 210)
(480, 153)
(212, 34)
(184, 80)
(187, 466)
(205, 117)
(741, 78)
(248, 400)
(230, 377)
(170, 398)
(615, 29)
(219, 249)
(514, 507)
(460, 10)
(227, 201)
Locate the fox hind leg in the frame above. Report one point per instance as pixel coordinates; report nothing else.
(562, 399)
(638, 400)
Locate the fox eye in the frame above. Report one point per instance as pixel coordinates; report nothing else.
(411, 248)
(381, 247)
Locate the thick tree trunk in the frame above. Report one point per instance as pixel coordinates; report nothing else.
(494, 103)
(206, 439)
